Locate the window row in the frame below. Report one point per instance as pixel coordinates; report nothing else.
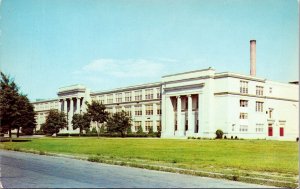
(259, 106)
(148, 126)
(259, 128)
(137, 110)
(131, 96)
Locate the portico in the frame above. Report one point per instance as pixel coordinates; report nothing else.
(72, 101)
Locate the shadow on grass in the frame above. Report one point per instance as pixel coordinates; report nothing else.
(14, 140)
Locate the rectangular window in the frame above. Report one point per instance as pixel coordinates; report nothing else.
(127, 96)
(259, 90)
(270, 130)
(158, 93)
(148, 125)
(259, 127)
(149, 94)
(138, 110)
(128, 110)
(270, 90)
(243, 128)
(118, 109)
(110, 99)
(259, 106)
(137, 124)
(138, 95)
(243, 116)
(158, 109)
(243, 103)
(244, 87)
(118, 97)
(101, 99)
(149, 109)
(158, 125)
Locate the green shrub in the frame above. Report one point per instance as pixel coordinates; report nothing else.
(140, 130)
(225, 137)
(189, 138)
(236, 138)
(219, 134)
(150, 131)
(199, 138)
(39, 132)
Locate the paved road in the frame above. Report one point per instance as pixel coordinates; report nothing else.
(24, 170)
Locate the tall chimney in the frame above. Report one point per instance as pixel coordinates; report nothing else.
(252, 57)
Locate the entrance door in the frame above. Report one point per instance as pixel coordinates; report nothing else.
(270, 130)
(281, 131)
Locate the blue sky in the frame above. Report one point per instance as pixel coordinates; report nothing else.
(47, 44)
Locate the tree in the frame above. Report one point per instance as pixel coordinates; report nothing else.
(8, 103)
(81, 121)
(26, 119)
(15, 109)
(118, 122)
(129, 131)
(54, 122)
(96, 111)
(219, 134)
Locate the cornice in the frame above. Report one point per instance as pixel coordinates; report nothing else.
(256, 96)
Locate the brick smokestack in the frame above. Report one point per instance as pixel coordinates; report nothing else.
(253, 57)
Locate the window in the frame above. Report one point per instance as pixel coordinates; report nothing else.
(270, 90)
(149, 109)
(259, 90)
(259, 106)
(149, 94)
(148, 125)
(233, 126)
(127, 96)
(158, 109)
(243, 103)
(158, 94)
(259, 127)
(101, 99)
(128, 110)
(243, 116)
(118, 109)
(138, 95)
(118, 97)
(158, 125)
(138, 110)
(244, 87)
(110, 99)
(243, 128)
(137, 124)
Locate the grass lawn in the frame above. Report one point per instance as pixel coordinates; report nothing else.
(275, 160)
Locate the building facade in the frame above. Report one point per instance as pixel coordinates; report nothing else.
(195, 103)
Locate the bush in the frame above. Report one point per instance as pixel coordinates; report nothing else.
(189, 138)
(150, 131)
(297, 139)
(225, 137)
(236, 138)
(140, 130)
(199, 138)
(219, 134)
(39, 132)
(231, 137)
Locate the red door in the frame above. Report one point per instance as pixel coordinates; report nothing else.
(281, 131)
(270, 131)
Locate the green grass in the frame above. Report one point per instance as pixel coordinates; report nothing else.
(276, 160)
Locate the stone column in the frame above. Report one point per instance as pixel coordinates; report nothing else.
(71, 113)
(77, 105)
(190, 117)
(59, 105)
(180, 127)
(199, 111)
(65, 106)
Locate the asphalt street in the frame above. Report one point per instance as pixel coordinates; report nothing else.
(24, 170)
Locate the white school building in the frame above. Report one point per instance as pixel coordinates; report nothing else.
(195, 104)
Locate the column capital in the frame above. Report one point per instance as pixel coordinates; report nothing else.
(178, 96)
(189, 95)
